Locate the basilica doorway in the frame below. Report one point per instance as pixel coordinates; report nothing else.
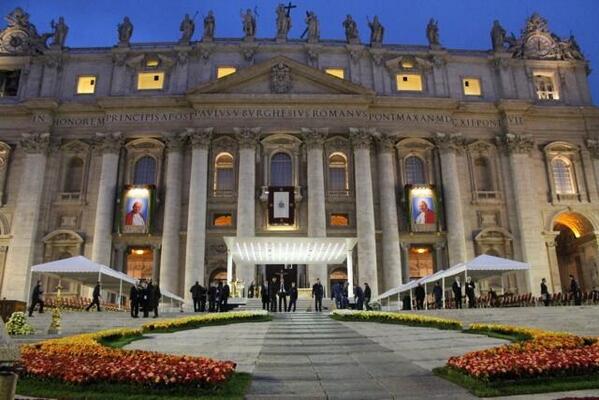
(288, 271)
(217, 276)
(338, 275)
(139, 262)
(576, 250)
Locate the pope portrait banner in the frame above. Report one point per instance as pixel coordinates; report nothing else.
(281, 205)
(424, 208)
(137, 204)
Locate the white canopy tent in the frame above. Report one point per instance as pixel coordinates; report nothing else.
(87, 272)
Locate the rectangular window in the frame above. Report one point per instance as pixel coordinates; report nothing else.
(222, 219)
(409, 82)
(545, 86)
(9, 83)
(339, 220)
(150, 80)
(86, 84)
(471, 86)
(337, 72)
(221, 72)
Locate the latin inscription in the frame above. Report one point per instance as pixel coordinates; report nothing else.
(225, 114)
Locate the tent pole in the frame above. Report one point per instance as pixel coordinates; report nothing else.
(443, 295)
(411, 300)
(350, 275)
(425, 298)
(120, 293)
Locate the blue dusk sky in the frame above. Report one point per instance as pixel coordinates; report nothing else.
(464, 24)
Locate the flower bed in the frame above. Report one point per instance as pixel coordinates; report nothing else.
(82, 359)
(17, 325)
(396, 318)
(541, 355)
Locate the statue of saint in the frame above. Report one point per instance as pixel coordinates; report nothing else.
(249, 24)
(209, 24)
(351, 29)
(125, 30)
(312, 28)
(283, 22)
(187, 28)
(432, 33)
(497, 36)
(18, 18)
(570, 50)
(60, 32)
(377, 31)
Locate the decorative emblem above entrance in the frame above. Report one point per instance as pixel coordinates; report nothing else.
(280, 78)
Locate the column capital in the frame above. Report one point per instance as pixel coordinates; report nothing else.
(361, 138)
(386, 143)
(174, 141)
(449, 142)
(405, 245)
(550, 238)
(32, 143)
(200, 138)
(513, 143)
(110, 142)
(157, 246)
(247, 137)
(314, 138)
(593, 147)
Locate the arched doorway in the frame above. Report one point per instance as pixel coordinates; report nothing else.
(337, 275)
(576, 250)
(218, 275)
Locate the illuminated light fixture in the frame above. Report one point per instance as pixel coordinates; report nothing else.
(152, 62)
(421, 250)
(138, 192)
(139, 252)
(407, 64)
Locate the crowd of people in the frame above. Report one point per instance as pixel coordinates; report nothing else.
(216, 296)
(340, 294)
(275, 293)
(144, 297)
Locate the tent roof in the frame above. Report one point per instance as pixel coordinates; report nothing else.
(486, 264)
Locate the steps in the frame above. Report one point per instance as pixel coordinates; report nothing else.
(302, 305)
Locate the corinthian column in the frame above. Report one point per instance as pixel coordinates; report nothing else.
(367, 269)
(449, 145)
(109, 144)
(317, 219)
(529, 219)
(169, 258)
(4, 156)
(246, 193)
(26, 217)
(593, 146)
(196, 216)
(391, 253)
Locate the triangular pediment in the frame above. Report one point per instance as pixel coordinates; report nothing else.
(281, 75)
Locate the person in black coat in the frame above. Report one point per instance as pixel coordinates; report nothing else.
(203, 293)
(317, 294)
(575, 290)
(367, 297)
(456, 287)
(359, 295)
(292, 297)
(224, 297)
(36, 298)
(282, 293)
(420, 295)
(470, 286)
(149, 299)
(438, 295)
(134, 300)
(212, 295)
(544, 292)
(195, 295)
(156, 296)
(96, 296)
(272, 294)
(264, 295)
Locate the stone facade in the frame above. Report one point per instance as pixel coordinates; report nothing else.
(491, 157)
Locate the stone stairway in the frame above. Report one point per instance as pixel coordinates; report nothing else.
(302, 305)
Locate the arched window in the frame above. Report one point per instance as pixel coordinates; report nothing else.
(145, 171)
(338, 181)
(224, 178)
(281, 171)
(414, 170)
(563, 178)
(74, 176)
(482, 175)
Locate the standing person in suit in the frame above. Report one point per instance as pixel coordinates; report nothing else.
(156, 296)
(36, 298)
(282, 293)
(292, 297)
(456, 287)
(224, 297)
(195, 295)
(264, 295)
(470, 286)
(438, 295)
(150, 300)
(203, 291)
(143, 298)
(134, 299)
(317, 294)
(212, 294)
(359, 295)
(420, 296)
(575, 291)
(544, 292)
(337, 294)
(96, 296)
(272, 294)
(367, 296)
(345, 295)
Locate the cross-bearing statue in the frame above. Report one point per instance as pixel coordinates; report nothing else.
(125, 30)
(187, 28)
(312, 27)
(351, 29)
(209, 25)
(497, 36)
(283, 22)
(432, 33)
(61, 31)
(377, 31)
(249, 24)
